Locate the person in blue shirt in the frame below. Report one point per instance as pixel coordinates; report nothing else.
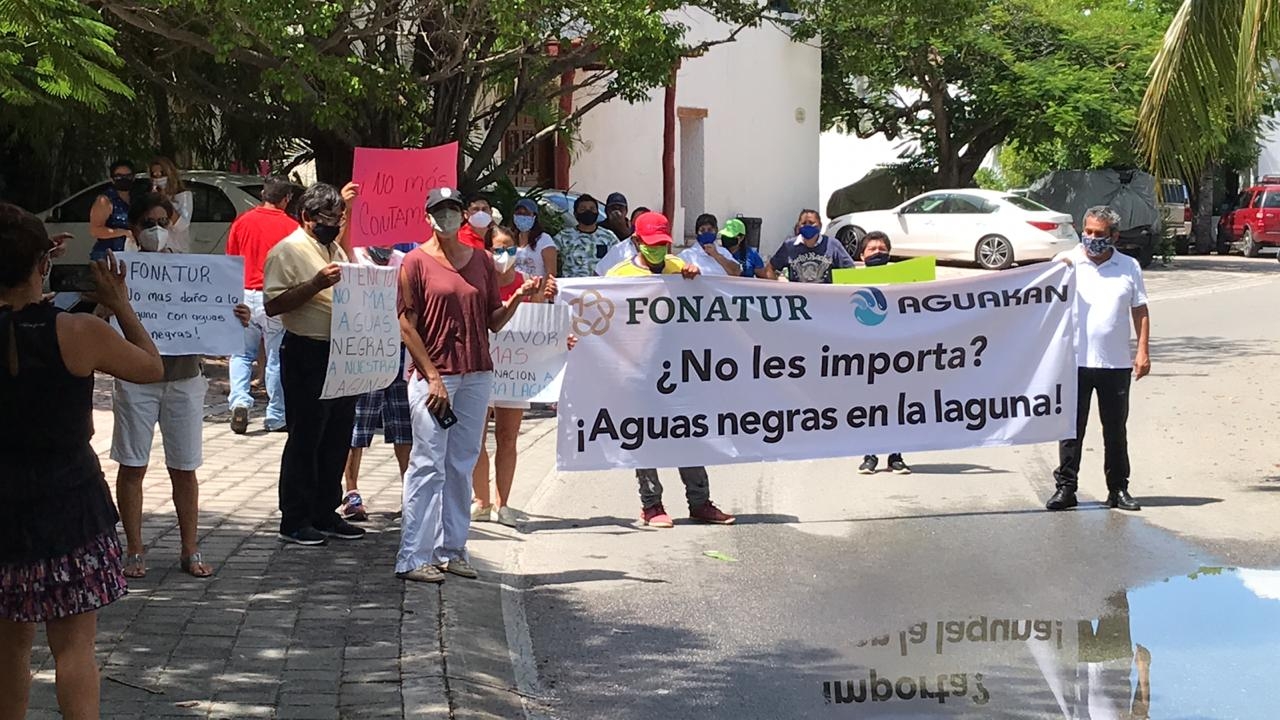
(733, 236)
(810, 256)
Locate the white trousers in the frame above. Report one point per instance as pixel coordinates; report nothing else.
(436, 514)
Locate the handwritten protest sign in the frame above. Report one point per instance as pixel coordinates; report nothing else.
(394, 184)
(187, 302)
(671, 372)
(364, 334)
(529, 354)
(922, 269)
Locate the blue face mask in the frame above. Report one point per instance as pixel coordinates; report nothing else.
(706, 238)
(1095, 246)
(809, 232)
(524, 223)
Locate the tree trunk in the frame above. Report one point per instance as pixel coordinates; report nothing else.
(164, 123)
(334, 158)
(1202, 211)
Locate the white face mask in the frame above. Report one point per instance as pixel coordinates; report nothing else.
(481, 220)
(503, 262)
(153, 239)
(161, 182)
(447, 220)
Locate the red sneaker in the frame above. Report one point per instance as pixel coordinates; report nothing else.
(656, 516)
(709, 513)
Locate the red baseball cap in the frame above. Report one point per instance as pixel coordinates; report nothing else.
(653, 229)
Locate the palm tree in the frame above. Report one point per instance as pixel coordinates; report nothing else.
(1208, 80)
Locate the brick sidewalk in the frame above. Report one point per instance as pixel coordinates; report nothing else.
(280, 631)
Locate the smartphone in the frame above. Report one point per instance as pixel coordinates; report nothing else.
(446, 419)
(72, 278)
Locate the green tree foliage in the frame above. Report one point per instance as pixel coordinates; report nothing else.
(1210, 83)
(1061, 78)
(56, 50)
(414, 72)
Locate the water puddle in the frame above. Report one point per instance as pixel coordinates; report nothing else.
(1204, 645)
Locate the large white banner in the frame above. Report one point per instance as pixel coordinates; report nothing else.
(675, 372)
(187, 302)
(364, 334)
(529, 354)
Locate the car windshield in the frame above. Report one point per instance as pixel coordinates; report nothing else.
(1024, 204)
(254, 190)
(1173, 193)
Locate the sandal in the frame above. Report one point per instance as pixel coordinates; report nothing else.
(135, 566)
(194, 565)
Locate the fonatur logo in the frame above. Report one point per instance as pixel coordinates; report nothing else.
(592, 313)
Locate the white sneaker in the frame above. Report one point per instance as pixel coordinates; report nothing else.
(481, 514)
(510, 516)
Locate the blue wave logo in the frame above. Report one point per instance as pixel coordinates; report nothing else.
(869, 306)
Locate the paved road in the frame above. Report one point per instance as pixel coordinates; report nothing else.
(949, 592)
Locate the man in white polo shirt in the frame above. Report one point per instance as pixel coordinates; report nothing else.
(1109, 291)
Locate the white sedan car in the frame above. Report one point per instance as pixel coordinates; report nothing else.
(217, 198)
(992, 228)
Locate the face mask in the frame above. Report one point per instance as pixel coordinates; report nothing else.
(876, 259)
(654, 255)
(379, 255)
(706, 238)
(504, 261)
(122, 184)
(160, 182)
(1095, 246)
(809, 232)
(524, 223)
(730, 243)
(325, 234)
(586, 218)
(481, 220)
(447, 220)
(153, 239)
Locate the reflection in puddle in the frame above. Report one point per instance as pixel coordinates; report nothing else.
(1202, 646)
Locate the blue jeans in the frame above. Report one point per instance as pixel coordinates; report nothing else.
(242, 365)
(436, 514)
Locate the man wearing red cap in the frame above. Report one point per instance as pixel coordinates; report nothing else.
(652, 237)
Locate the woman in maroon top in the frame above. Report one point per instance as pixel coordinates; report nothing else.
(448, 304)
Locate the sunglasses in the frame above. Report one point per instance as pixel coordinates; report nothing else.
(149, 223)
(504, 251)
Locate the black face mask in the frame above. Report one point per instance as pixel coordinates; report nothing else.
(587, 218)
(325, 234)
(122, 184)
(880, 258)
(380, 255)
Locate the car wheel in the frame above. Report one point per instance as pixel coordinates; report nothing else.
(1181, 245)
(1248, 245)
(994, 253)
(1145, 257)
(851, 238)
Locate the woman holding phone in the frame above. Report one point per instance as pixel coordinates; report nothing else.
(60, 560)
(448, 303)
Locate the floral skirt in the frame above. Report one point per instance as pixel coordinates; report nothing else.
(83, 580)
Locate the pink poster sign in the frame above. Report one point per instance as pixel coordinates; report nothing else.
(394, 184)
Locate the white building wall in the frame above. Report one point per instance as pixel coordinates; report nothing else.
(760, 136)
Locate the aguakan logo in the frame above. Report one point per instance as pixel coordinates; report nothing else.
(869, 306)
(592, 313)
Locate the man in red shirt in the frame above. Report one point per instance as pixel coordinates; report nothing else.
(476, 219)
(252, 236)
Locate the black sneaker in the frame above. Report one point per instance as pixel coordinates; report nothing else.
(869, 464)
(304, 536)
(343, 530)
(898, 466)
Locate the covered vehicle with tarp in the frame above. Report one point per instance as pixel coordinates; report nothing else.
(1130, 192)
